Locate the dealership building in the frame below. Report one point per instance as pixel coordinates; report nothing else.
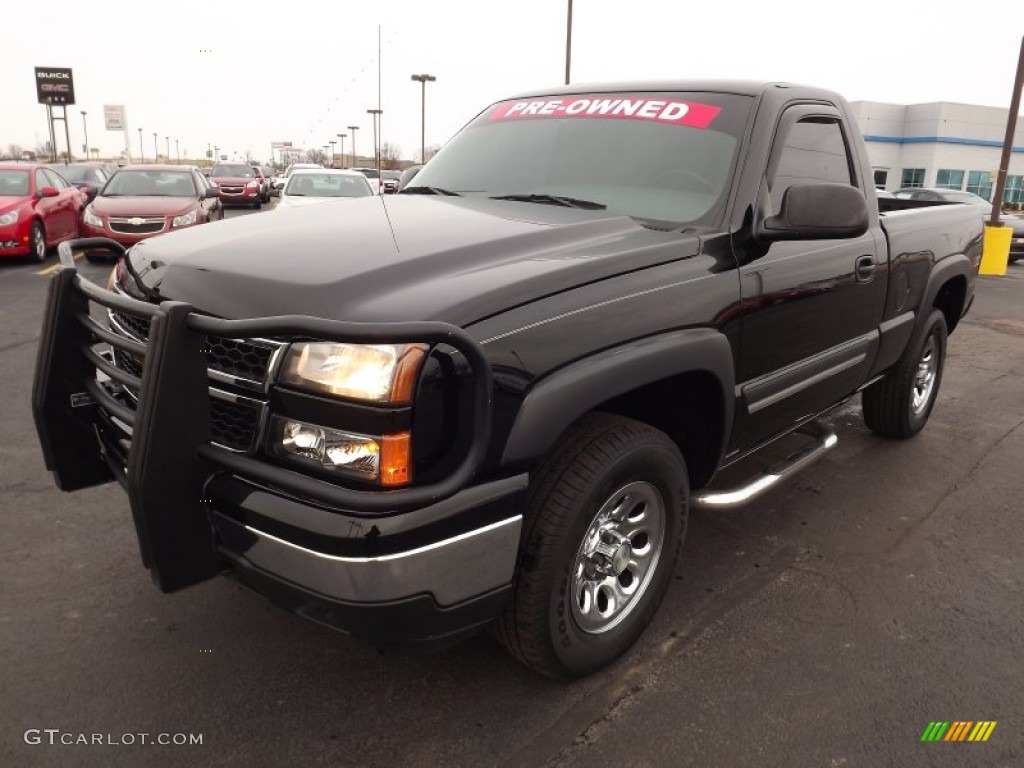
(941, 144)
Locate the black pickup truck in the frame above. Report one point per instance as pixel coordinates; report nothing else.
(492, 399)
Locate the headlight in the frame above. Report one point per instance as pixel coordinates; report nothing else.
(186, 219)
(252, 184)
(9, 218)
(380, 373)
(385, 459)
(92, 219)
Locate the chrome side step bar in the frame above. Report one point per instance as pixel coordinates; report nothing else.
(823, 440)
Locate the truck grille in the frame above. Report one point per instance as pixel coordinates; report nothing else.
(235, 420)
(248, 361)
(137, 225)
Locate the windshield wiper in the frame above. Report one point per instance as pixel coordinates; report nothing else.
(568, 202)
(429, 191)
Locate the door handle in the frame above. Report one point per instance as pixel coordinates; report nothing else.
(864, 269)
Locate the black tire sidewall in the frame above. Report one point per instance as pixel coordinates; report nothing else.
(36, 233)
(578, 651)
(935, 327)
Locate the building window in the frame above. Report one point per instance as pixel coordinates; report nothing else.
(1014, 192)
(881, 177)
(980, 183)
(912, 177)
(947, 179)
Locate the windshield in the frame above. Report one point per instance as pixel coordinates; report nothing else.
(327, 185)
(967, 197)
(658, 157)
(75, 172)
(369, 173)
(150, 184)
(13, 183)
(232, 170)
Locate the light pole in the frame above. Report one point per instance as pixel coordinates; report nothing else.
(177, 150)
(85, 130)
(423, 80)
(568, 42)
(342, 137)
(353, 128)
(156, 149)
(142, 150)
(376, 113)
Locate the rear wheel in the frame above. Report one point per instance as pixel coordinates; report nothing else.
(899, 405)
(603, 530)
(37, 242)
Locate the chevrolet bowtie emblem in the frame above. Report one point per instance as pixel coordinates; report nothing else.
(136, 222)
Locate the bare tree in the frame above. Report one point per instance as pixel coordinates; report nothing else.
(316, 156)
(14, 151)
(430, 151)
(390, 156)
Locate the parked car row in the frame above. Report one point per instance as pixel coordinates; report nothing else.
(40, 207)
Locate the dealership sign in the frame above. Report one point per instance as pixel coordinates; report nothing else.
(113, 117)
(54, 85)
(280, 144)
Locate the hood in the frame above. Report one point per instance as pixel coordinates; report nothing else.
(404, 257)
(11, 201)
(294, 201)
(243, 180)
(142, 206)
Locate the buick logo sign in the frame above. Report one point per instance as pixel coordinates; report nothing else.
(54, 85)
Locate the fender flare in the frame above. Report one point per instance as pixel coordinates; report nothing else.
(956, 265)
(565, 395)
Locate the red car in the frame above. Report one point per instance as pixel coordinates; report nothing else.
(238, 184)
(141, 201)
(38, 209)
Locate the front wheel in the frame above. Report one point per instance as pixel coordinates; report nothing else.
(37, 242)
(603, 529)
(257, 205)
(899, 405)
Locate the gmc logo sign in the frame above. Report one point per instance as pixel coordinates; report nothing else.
(54, 85)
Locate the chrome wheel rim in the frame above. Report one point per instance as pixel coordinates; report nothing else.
(617, 557)
(40, 244)
(924, 377)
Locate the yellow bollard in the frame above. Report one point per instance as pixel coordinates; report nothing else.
(995, 250)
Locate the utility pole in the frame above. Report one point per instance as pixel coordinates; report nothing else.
(423, 80)
(1011, 125)
(568, 42)
(353, 128)
(342, 137)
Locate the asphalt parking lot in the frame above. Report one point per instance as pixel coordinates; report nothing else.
(825, 625)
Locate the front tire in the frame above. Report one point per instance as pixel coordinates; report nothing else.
(37, 243)
(604, 525)
(899, 405)
(257, 205)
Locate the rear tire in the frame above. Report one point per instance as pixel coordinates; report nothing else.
(37, 243)
(899, 405)
(604, 525)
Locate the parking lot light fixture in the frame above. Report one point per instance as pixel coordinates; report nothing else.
(142, 149)
(423, 80)
(156, 149)
(353, 129)
(342, 149)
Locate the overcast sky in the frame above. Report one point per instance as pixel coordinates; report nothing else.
(303, 71)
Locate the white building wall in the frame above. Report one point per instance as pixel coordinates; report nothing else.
(945, 120)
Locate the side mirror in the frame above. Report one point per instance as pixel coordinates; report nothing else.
(209, 194)
(408, 175)
(818, 212)
(48, 192)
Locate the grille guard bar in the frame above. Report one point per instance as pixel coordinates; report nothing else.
(171, 457)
